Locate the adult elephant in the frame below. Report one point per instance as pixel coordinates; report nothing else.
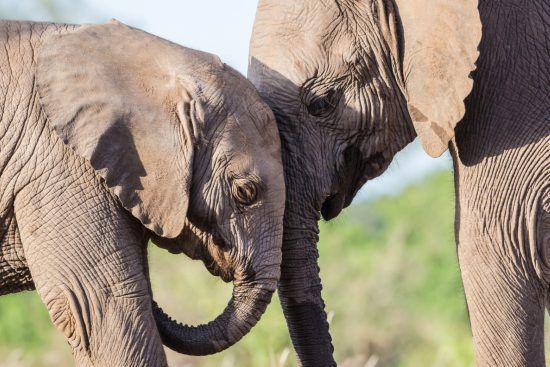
(351, 82)
(110, 136)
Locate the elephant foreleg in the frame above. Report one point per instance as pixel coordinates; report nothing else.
(87, 260)
(99, 301)
(506, 297)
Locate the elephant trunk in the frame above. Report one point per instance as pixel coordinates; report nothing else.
(248, 302)
(300, 291)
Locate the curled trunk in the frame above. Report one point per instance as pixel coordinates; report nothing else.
(243, 311)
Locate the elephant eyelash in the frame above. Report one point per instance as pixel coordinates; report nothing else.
(246, 192)
(323, 105)
(324, 94)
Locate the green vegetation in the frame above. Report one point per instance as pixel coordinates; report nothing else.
(391, 284)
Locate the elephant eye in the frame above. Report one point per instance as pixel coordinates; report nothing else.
(323, 105)
(245, 192)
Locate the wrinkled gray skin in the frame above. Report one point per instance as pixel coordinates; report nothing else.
(109, 137)
(352, 82)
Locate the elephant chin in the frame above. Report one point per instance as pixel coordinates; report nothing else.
(355, 171)
(332, 206)
(248, 303)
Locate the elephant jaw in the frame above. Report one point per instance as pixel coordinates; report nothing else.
(199, 244)
(353, 174)
(332, 206)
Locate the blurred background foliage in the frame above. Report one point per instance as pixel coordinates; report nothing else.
(389, 269)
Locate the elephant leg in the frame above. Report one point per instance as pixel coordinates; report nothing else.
(87, 258)
(100, 302)
(505, 297)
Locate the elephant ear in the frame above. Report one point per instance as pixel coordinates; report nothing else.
(110, 93)
(440, 50)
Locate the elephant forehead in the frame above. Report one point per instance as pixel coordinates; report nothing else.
(291, 18)
(243, 147)
(258, 166)
(249, 145)
(284, 37)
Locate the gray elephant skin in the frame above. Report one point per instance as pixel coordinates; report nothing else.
(109, 137)
(352, 82)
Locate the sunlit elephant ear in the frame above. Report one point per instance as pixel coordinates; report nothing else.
(440, 50)
(109, 91)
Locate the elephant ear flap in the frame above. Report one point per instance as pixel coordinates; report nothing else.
(105, 92)
(441, 39)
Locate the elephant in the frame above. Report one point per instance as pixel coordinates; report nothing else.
(111, 137)
(353, 82)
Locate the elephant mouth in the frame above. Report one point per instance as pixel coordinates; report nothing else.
(214, 259)
(355, 172)
(332, 206)
(226, 275)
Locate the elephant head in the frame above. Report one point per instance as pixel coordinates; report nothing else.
(351, 83)
(182, 141)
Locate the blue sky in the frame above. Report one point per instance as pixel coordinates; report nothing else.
(222, 27)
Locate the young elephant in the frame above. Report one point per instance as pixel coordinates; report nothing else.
(110, 136)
